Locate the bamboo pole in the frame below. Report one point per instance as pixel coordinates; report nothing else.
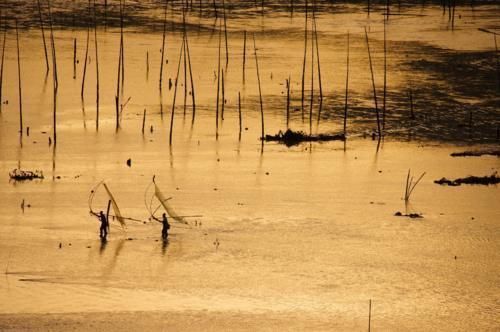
(312, 80)
(19, 84)
(260, 90)
(54, 62)
(175, 94)
(122, 49)
(74, 59)
(192, 80)
(143, 121)
(2, 65)
(86, 58)
(97, 69)
(244, 53)
(185, 60)
(43, 35)
(319, 65)
(346, 88)
(373, 84)
(218, 85)
(239, 115)
(288, 102)
(385, 78)
(304, 62)
(223, 95)
(163, 44)
(369, 315)
(225, 32)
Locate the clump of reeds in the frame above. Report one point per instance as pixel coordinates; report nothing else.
(410, 185)
(22, 175)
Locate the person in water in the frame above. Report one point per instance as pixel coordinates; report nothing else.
(166, 227)
(103, 230)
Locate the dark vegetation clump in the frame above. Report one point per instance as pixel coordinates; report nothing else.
(290, 137)
(476, 153)
(409, 215)
(483, 180)
(20, 175)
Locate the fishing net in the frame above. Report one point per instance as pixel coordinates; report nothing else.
(168, 207)
(118, 215)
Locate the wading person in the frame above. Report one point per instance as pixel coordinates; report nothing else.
(166, 227)
(103, 230)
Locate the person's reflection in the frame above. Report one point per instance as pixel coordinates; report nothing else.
(164, 247)
(104, 242)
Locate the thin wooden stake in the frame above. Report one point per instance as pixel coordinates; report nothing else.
(86, 58)
(385, 77)
(239, 114)
(163, 44)
(260, 91)
(225, 33)
(19, 84)
(74, 59)
(304, 62)
(192, 79)
(1, 65)
(288, 102)
(346, 88)
(373, 84)
(244, 53)
(43, 35)
(175, 94)
(218, 85)
(312, 80)
(97, 69)
(223, 95)
(143, 121)
(369, 315)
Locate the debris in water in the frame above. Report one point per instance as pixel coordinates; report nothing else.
(409, 215)
(290, 137)
(483, 180)
(476, 153)
(20, 175)
(129, 162)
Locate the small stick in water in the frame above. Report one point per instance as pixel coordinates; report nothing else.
(143, 121)
(19, 84)
(244, 53)
(304, 62)
(319, 67)
(192, 80)
(86, 58)
(312, 79)
(346, 88)
(97, 70)
(239, 114)
(223, 95)
(175, 93)
(385, 78)
(218, 86)
(288, 102)
(43, 35)
(1, 65)
(225, 32)
(147, 65)
(74, 59)
(373, 84)
(163, 44)
(260, 91)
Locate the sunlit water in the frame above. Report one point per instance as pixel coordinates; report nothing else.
(306, 231)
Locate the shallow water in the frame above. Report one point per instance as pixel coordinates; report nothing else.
(306, 232)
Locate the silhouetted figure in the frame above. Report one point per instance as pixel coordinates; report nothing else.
(103, 230)
(166, 227)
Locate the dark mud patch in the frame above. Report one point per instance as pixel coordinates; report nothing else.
(476, 153)
(480, 180)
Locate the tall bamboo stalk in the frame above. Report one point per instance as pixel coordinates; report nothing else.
(346, 88)
(223, 95)
(312, 81)
(260, 90)
(175, 94)
(319, 66)
(304, 62)
(1, 65)
(498, 62)
(373, 84)
(385, 78)
(288, 102)
(86, 57)
(54, 62)
(225, 32)
(239, 115)
(97, 69)
(244, 53)
(74, 59)
(185, 59)
(218, 85)
(122, 48)
(163, 44)
(191, 78)
(43, 35)
(19, 84)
